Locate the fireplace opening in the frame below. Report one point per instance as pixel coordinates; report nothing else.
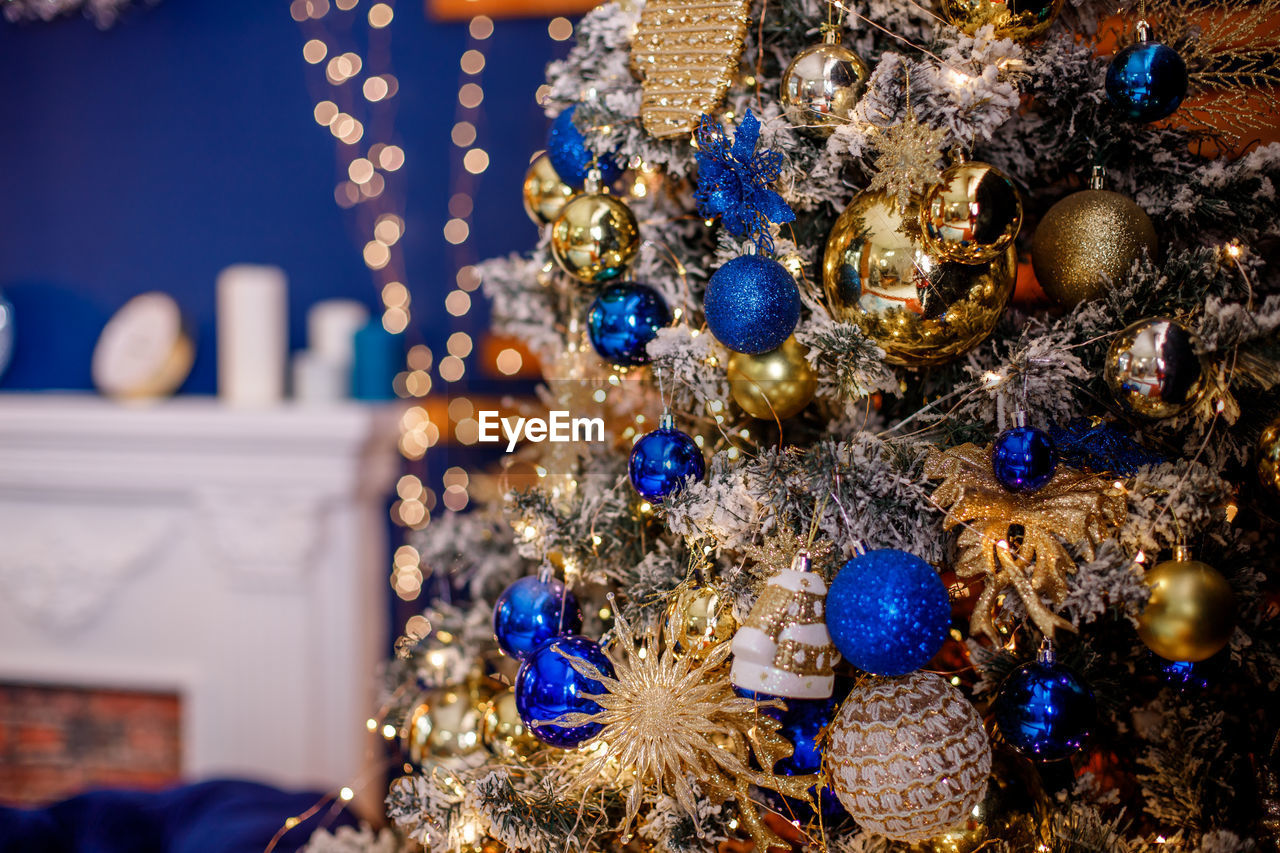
(59, 741)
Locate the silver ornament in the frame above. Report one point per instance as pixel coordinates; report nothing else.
(822, 85)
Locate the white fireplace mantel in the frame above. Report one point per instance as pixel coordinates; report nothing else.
(236, 557)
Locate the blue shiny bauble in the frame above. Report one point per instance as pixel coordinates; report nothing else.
(1147, 81)
(662, 461)
(532, 611)
(548, 686)
(888, 612)
(752, 304)
(1044, 711)
(802, 724)
(570, 156)
(623, 319)
(1023, 459)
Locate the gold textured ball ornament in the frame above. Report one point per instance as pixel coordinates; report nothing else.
(1192, 610)
(774, 384)
(502, 731)
(1014, 19)
(908, 757)
(445, 724)
(821, 86)
(699, 618)
(1269, 458)
(1152, 368)
(921, 310)
(1085, 236)
(595, 237)
(972, 215)
(545, 195)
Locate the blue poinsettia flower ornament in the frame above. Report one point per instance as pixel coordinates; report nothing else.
(734, 182)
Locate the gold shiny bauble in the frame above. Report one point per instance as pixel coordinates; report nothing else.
(821, 87)
(922, 311)
(1084, 236)
(595, 237)
(1191, 612)
(545, 195)
(972, 215)
(1269, 457)
(774, 384)
(503, 732)
(1014, 19)
(700, 618)
(446, 724)
(1152, 368)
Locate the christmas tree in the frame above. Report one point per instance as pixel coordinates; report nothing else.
(936, 507)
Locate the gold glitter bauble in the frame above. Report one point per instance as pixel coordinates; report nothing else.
(1013, 19)
(699, 618)
(908, 757)
(920, 310)
(446, 724)
(595, 237)
(1192, 610)
(545, 195)
(501, 729)
(685, 53)
(1152, 368)
(821, 87)
(1269, 458)
(972, 215)
(774, 384)
(1084, 236)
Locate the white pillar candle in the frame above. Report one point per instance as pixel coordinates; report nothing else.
(253, 334)
(332, 326)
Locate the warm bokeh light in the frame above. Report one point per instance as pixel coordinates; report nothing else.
(380, 15)
(470, 95)
(315, 51)
(325, 113)
(509, 361)
(456, 231)
(457, 303)
(481, 27)
(461, 205)
(468, 278)
(376, 255)
(463, 134)
(560, 29)
(395, 295)
(452, 368)
(472, 62)
(476, 161)
(459, 344)
(360, 170)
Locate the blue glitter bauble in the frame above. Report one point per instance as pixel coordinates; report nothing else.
(1023, 459)
(1044, 711)
(662, 461)
(548, 686)
(888, 612)
(570, 156)
(752, 304)
(623, 319)
(532, 611)
(1147, 81)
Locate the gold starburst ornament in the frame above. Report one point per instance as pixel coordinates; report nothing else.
(1073, 507)
(676, 724)
(907, 157)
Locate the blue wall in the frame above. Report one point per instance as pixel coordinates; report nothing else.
(154, 154)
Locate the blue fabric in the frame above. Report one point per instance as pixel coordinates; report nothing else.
(210, 817)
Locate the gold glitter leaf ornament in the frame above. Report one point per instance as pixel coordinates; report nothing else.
(677, 725)
(1072, 507)
(685, 53)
